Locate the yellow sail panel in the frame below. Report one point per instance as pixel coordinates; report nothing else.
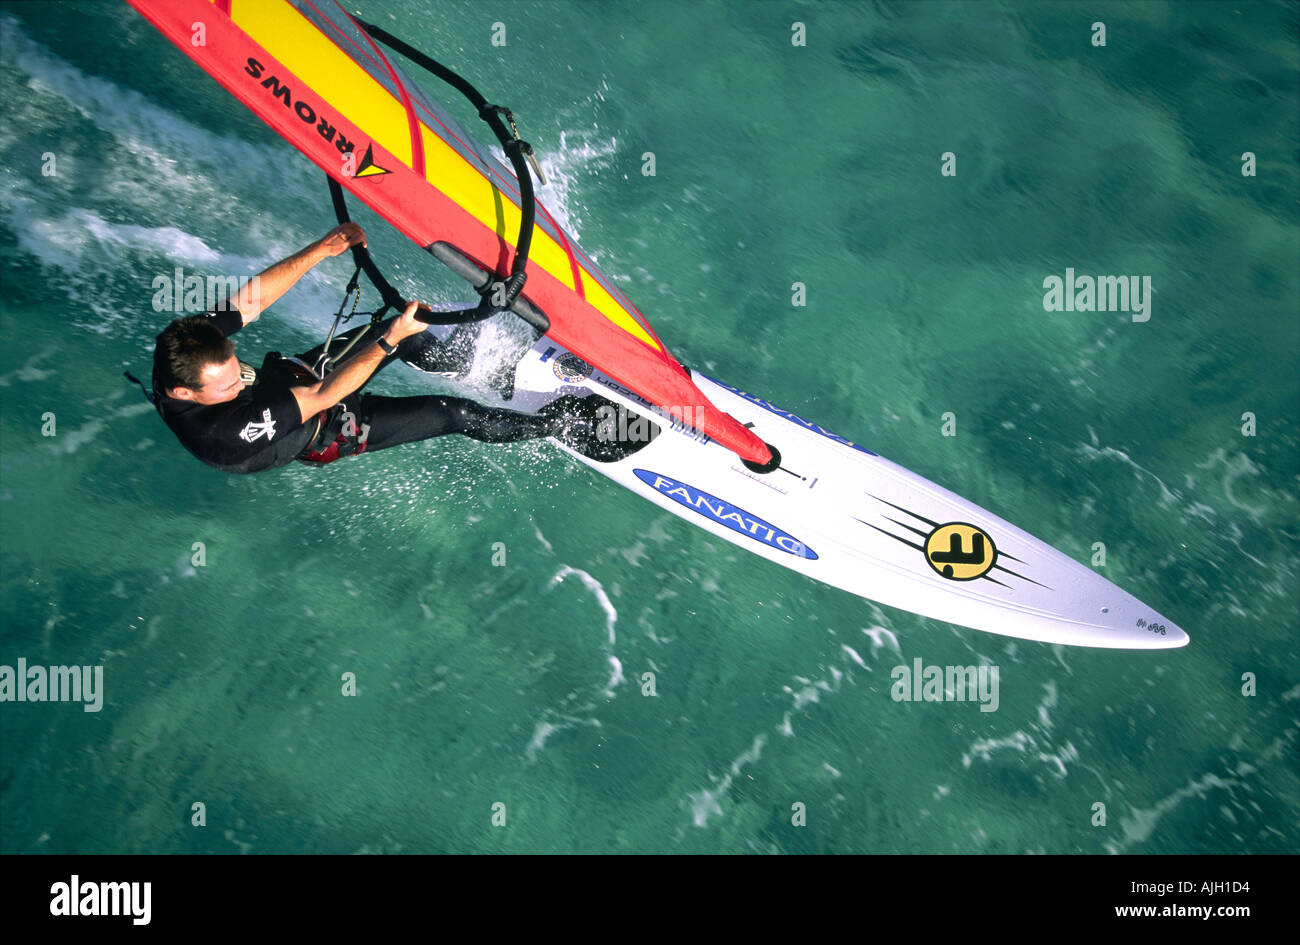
(605, 303)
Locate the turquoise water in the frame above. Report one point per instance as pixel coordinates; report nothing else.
(521, 685)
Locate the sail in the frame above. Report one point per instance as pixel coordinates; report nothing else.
(318, 79)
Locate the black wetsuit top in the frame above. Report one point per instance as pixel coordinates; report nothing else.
(260, 429)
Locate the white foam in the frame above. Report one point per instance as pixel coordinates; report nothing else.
(985, 747)
(597, 590)
(582, 153)
(564, 712)
(634, 555)
(809, 692)
(29, 372)
(541, 733)
(158, 137)
(880, 636)
(159, 166)
(64, 241)
(1142, 822)
(1049, 702)
(1109, 452)
(704, 804)
(1035, 743)
(853, 655)
(1234, 468)
(74, 440)
(615, 677)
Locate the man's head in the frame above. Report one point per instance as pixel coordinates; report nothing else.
(195, 361)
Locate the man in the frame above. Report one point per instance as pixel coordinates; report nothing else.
(240, 421)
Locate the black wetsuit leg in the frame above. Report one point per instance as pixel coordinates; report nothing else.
(397, 420)
(422, 351)
(392, 421)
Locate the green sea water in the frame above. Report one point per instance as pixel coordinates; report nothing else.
(518, 692)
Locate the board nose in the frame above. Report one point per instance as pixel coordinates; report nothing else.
(1154, 632)
(1131, 624)
(1175, 637)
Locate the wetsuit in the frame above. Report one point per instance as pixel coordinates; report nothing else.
(262, 427)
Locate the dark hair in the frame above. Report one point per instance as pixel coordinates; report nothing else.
(185, 348)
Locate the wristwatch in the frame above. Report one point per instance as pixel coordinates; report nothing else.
(385, 346)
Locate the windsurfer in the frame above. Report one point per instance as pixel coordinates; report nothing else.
(243, 421)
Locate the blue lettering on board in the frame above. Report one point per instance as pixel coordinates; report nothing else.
(724, 513)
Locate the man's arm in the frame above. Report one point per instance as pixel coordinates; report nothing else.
(269, 285)
(356, 370)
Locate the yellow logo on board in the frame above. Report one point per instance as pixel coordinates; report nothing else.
(960, 552)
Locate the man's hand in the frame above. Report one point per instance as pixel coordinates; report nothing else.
(340, 239)
(406, 324)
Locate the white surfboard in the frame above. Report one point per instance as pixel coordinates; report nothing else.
(839, 513)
